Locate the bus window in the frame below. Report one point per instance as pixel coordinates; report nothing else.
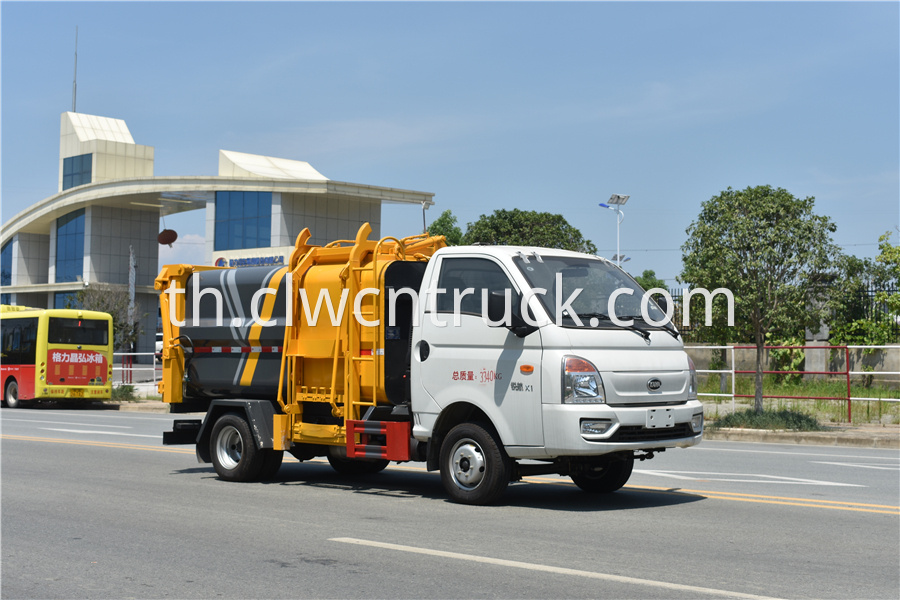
(19, 338)
(83, 332)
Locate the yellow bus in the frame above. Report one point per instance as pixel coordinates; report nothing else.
(54, 354)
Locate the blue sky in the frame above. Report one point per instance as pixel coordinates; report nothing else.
(548, 107)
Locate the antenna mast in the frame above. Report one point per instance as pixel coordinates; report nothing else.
(75, 77)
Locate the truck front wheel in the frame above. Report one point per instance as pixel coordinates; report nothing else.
(474, 467)
(233, 450)
(606, 476)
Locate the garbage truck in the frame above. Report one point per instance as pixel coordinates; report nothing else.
(486, 363)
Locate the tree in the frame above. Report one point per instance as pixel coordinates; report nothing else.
(648, 280)
(853, 318)
(527, 228)
(107, 298)
(889, 258)
(446, 226)
(773, 252)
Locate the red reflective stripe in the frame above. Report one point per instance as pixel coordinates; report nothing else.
(236, 349)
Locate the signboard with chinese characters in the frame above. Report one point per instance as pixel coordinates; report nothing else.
(76, 367)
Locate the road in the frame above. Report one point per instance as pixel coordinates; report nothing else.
(93, 506)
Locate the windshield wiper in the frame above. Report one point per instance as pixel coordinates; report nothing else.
(670, 330)
(605, 317)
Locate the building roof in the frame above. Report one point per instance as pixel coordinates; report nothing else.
(92, 127)
(171, 195)
(233, 164)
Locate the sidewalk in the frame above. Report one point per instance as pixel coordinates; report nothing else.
(860, 436)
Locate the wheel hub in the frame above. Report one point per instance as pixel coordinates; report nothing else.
(229, 447)
(467, 464)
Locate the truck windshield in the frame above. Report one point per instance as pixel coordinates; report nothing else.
(586, 285)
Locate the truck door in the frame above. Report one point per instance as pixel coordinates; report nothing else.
(459, 358)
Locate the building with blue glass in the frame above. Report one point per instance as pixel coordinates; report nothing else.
(109, 205)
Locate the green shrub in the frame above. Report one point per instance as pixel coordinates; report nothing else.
(124, 393)
(768, 419)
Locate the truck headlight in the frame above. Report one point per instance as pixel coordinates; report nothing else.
(692, 384)
(582, 383)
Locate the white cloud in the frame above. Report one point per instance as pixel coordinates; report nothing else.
(189, 249)
(339, 137)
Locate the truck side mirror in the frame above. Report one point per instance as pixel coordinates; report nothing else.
(496, 312)
(663, 303)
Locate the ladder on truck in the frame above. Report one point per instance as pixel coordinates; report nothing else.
(354, 353)
(367, 438)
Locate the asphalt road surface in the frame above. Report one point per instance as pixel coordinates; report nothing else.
(93, 506)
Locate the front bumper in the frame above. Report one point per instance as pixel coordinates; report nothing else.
(628, 430)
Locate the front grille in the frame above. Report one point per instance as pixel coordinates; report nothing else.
(635, 433)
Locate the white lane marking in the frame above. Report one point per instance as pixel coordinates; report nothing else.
(550, 569)
(861, 466)
(695, 448)
(99, 432)
(66, 423)
(759, 478)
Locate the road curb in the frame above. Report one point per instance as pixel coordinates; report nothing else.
(142, 407)
(889, 439)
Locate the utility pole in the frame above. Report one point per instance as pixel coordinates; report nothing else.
(615, 202)
(75, 76)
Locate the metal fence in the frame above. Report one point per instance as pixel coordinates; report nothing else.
(844, 374)
(136, 367)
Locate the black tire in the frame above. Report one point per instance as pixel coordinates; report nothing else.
(233, 450)
(271, 463)
(474, 467)
(11, 394)
(357, 466)
(607, 476)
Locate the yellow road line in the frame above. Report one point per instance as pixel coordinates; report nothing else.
(739, 497)
(101, 444)
(714, 495)
(778, 497)
(710, 494)
(808, 504)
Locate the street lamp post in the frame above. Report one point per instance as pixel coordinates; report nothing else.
(615, 201)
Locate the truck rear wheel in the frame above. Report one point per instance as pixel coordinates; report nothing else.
(474, 467)
(271, 463)
(233, 450)
(357, 466)
(605, 477)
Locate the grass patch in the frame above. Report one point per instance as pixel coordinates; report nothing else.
(123, 393)
(768, 419)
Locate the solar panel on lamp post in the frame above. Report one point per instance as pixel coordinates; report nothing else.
(615, 201)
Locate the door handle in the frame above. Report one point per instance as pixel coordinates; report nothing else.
(424, 350)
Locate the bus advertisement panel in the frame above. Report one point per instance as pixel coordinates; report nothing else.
(60, 354)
